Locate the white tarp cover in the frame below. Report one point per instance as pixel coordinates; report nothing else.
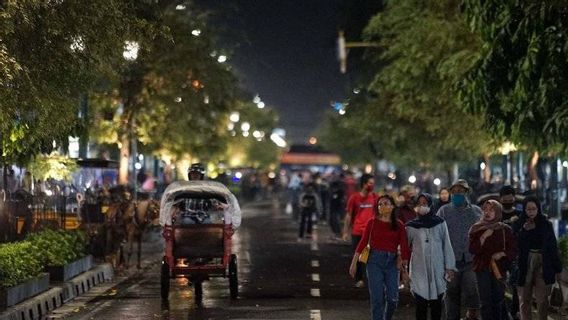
(200, 186)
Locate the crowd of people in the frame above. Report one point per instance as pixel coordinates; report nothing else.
(453, 255)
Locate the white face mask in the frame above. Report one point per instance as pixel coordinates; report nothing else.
(422, 210)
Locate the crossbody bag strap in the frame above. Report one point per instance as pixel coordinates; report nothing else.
(371, 233)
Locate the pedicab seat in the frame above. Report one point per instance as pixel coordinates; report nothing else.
(198, 241)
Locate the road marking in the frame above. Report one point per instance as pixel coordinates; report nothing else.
(315, 246)
(315, 292)
(315, 277)
(315, 315)
(315, 263)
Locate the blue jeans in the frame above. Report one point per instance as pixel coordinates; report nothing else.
(382, 275)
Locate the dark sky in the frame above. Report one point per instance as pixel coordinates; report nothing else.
(284, 50)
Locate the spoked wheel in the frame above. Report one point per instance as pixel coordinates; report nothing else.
(233, 277)
(165, 281)
(198, 288)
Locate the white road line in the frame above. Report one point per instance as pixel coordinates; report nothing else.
(315, 315)
(315, 263)
(315, 292)
(315, 277)
(315, 246)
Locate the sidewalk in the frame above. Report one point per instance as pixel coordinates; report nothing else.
(65, 297)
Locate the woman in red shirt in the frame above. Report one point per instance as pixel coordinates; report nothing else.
(385, 235)
(494, 248)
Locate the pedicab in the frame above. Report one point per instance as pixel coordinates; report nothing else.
(197, 226)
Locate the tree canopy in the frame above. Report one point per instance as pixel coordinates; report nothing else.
(519, 82)
(411, 113)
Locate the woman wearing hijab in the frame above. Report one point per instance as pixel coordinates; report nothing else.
(539, 263)
(432, 262)
(494, 248)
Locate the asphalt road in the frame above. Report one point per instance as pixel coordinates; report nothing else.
(279, 278)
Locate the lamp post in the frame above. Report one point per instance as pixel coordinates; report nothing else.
(130, 54)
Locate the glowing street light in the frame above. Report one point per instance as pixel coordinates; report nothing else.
(234, 117)
(412, 179)
(180, 7)
(260, 105)
(256, 99)
(245, 126)
(278, 140)
(313, 140)
(130, 52)
(196, 32)
(222, 58)
(78, 44)
(437, 181)
(256, 134)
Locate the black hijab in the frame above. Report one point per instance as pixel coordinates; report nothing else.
(428, 220)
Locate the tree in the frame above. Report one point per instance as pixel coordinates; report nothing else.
(411, 113)
(50, 52)
(174, 95)
(519, 82)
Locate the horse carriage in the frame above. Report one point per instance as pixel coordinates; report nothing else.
(109, 213)
(196, 217)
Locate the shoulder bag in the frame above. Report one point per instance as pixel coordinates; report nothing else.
(364, 256)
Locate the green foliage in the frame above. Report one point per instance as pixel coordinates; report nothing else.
(519, 82)
(411, 112)
(59, 247)
(50, 52)
(563, 248)
(53, 166)
(175, 96)
(19, 262)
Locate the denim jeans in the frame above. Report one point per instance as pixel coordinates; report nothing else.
(306, 218)
(491, 294)
(382, 275)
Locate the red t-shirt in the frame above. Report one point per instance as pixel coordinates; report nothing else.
(361, 210)
(385, 239)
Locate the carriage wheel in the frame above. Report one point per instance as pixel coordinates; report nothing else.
(233, 277)
(165, 281)
(198, 287)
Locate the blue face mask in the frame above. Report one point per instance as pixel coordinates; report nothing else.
(458, 199)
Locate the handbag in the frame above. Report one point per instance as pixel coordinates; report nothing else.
(556, 298)
(364, 255)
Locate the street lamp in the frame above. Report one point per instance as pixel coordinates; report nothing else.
(130, 52)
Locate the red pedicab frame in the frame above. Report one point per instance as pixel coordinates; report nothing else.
(196, 251)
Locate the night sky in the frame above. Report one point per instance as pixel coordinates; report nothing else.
(284, 50)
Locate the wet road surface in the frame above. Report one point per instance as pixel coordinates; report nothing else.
(279, 278)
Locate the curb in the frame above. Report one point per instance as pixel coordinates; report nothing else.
(40, 305)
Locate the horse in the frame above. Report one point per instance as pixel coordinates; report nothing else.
(140, 215)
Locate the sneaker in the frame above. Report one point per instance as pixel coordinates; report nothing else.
(360, 284)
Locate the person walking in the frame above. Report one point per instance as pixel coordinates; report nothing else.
(443, 198)
(360, 209)
(539, 262)
(494, 248)
(460, 215)
(510, 215)
(432, 262)
(405, 206)
(336, 205)
(385, 236)
(310, 205)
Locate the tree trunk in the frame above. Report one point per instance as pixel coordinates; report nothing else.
(487, 171)
(533, 175)
(124, 157)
